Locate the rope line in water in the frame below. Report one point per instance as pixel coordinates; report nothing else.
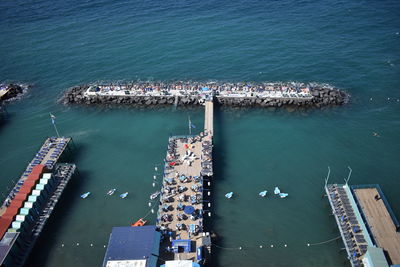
(237, 248)
(324, 242)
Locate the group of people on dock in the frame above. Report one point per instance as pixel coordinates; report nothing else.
(192, 88)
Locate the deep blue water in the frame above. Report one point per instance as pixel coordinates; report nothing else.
(354, 45)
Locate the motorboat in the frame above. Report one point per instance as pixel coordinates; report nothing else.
(111, 191)
(229, 195)
(85, 195)
(124, 195)
(263, 193)
(277, 191)
(283, 195)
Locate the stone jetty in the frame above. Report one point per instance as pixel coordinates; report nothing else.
(195, 93)
(11, 91)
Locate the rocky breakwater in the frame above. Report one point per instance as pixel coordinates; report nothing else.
(11, 91)
(78, 95)
(319, 97)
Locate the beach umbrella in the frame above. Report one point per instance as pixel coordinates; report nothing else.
(189, 209)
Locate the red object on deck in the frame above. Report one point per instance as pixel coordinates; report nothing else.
(172, 163)
(38, 169)
(33, 177)
(21, 196)
(15, 203)
(4, 225)
(139, 222)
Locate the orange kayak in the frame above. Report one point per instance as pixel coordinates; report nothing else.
(139, 222)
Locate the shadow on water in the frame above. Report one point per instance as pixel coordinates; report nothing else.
(219, 166)
(67, 201)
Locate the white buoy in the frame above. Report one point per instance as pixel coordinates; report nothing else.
(77, 244)
(370, 99)
(261, 246)
(155, 168)
(62, 245)
(91, 245)
(154, 184)
(285, 246)
(308, 244)
(240, 248)
(388, 98)
(104, 245)
(272, 246)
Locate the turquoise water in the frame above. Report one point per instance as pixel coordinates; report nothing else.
(354, 45)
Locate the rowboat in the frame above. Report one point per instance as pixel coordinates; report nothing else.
(277, 191)
(263, 193)
(229, 195)
(85, 195)
(154, 195)
(139, 222)
(124, 195)
(111, 191)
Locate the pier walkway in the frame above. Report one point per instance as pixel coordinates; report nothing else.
(209, 118)
(383, 229)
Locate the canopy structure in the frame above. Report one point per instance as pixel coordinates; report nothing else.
(188, 210)
(182, 245)
(132, 245)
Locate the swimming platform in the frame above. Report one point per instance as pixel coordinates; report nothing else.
(30, 203)
(367, 224)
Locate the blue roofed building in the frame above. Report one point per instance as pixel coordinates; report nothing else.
(133, 246)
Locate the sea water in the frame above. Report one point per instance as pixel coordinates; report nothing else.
(353, 45)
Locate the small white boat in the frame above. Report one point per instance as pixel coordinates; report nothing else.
(154, 195)
(124, 195)
(85, 195)
(277, 191)
(112, 191)
(283, 195)
(263, 193)
(229, 195)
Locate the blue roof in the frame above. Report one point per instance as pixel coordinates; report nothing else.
(132, 243)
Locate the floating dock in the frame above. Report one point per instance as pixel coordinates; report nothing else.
(369, 240)
(31, 202)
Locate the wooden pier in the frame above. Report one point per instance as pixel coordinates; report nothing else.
(209, 118)
(48, 155)
(382, 227)
(182, 200)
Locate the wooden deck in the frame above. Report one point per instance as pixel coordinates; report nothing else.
(380, 222)
(178, 170)
(209, 118)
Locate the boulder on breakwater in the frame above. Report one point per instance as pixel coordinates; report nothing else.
(12, 91)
